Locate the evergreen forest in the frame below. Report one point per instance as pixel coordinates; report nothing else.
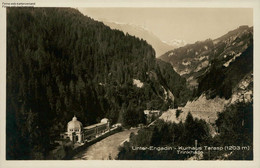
(61, 63)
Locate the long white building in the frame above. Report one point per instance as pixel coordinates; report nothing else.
(77, 133)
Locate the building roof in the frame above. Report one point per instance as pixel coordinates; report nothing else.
(94, 125)
(104, 120)
(74, 123)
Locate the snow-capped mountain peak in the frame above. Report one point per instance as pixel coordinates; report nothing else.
(176, 43)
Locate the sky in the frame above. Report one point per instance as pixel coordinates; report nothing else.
(189, 24)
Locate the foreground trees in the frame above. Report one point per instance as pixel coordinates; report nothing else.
(235, 127)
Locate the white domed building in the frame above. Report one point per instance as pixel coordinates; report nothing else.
(104, 120)
(75, 130)
(77, 133)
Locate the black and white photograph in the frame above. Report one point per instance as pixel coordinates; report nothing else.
(128, 83)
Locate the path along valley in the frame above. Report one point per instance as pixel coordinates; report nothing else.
(105, 148)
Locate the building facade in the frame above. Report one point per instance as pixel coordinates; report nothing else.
(77, 133)
(151, 115)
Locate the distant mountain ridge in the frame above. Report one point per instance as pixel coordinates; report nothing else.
(159, 46)
(197, 62)
(176, 43)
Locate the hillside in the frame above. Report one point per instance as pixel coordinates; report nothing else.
(220, 112)
(61, 63)
(201, 108)
(204, 63)
(233, 61)
(226, 80)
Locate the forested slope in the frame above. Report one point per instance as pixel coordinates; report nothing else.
(61, 63)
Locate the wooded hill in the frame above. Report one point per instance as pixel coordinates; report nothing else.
(61, 63)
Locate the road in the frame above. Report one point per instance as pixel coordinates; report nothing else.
(105, 148)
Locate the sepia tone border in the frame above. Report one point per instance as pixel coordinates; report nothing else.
(255, 4)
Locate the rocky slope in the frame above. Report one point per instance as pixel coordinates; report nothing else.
(201, 108)
(195, 60)
(208, 109)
